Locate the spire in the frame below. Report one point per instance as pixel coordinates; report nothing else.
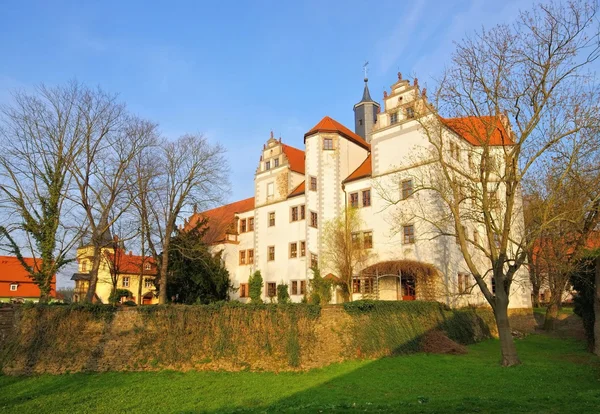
(366, 95)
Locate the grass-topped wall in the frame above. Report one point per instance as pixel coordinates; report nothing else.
(229, 336)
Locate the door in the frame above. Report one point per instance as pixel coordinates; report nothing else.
(408, 288)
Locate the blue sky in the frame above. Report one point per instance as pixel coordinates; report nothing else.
(236, 70)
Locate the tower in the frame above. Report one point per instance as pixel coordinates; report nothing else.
(365, 114)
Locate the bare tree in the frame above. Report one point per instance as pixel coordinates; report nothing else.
(190, 172)
(566, 214)
(111, 140)
(40, 141)
(345, 251)
(520, 93)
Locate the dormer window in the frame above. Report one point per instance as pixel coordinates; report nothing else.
(13, 287)
(268, 165)
(394, 118)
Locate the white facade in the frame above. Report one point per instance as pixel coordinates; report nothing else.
(319, 181)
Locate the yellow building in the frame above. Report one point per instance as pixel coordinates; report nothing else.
(127, 270)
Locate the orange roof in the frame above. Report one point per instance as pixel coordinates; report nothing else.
(333, 278)
(221, 219)
(363, 170)
(295, 157)
(130, 264)
(299, 190)
(559, 248)
(479, 130)
(12, 272)
(328, 124)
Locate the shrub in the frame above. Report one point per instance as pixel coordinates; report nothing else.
(129, 303)
(584, 283)
(320, 288)
(283, 295)
(255, 286)
(117, 294)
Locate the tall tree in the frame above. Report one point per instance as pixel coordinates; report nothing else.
(195, 274)
(523, 94)
(111, 140)
(40, 140)
(192, 172)
(344, 252)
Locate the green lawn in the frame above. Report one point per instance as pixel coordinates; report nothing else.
(557, 376)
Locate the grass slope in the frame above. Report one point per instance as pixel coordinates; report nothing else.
(557, 376)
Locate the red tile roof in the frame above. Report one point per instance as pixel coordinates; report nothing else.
(479, 130)
(130, 264)
(299, 190)
(12, 272)
(363, 170)
(295, 157)
(328, 124)
(221, 219)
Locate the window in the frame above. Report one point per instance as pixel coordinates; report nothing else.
(366, 198)
(294, 213)
(268, 165)
(463, 282)
(293, 250)
(270, 191)
(271, 219)
(313, 219)
(497, 240)
(147, 266)
(276, 162)
(355, 240)
(410, 112)
(125, 282)
(356, 285)
(271, 289)
(393, 118)
(471, 163)
(368, 285)
(360, 122)
(251, 256)
(314, 260)
(271, 253)
(148, 283)
(302, 212)
(327, 143)
(243, 257)
(244, 290)
(354, 200)
(409, 234)
(243, 226)
(368, 239)
(84, 266)
(14, 287)
(302, 248)
(294, 287)
(303, 287)
(407, 189)
(251, 224)
(475, 236)
(313, 183)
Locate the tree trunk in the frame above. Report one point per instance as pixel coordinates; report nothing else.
(89, 296)
(535, 292)
(551, 316)
(597, 310)
(507, 343)
(164, 265)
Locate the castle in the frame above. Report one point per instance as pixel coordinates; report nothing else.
(280, 230)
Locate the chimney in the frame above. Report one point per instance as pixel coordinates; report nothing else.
(130, 253)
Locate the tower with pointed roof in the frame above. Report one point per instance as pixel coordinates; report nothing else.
(365, 114)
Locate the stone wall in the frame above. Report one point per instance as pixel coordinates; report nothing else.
(61, 340)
